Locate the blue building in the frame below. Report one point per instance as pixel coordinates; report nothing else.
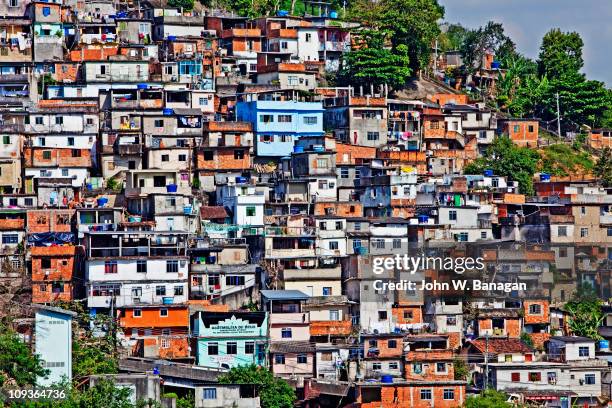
(53, 333)
(278, 124)
(230, 339)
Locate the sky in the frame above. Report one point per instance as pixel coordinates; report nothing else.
(526, 22)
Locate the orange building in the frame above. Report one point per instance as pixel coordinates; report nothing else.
(413, 394)
(53, 273)
(339, 208)
(523, 132)
(158, 331)
(449, 98)
(600, 138)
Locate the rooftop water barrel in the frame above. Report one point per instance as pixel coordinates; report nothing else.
(282, 13)
(172, 38)
(168, 112)
(298, 149)
(496, 65)
(544, 177)
(142, 86)
(333, 14)
(318, 148)
(423, 219)
(386, 379)
(604, 345)
(171, 188)
(488, 173)
(187, 209)
(102, 201)
(167, 300)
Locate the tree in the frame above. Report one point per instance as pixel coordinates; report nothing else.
(490, 38)
(18, 366)
(462, 370)
(413, 23)
(489, 399)
(585, 315)
(560, 54)
(507, 159)
(452, 37)
(273, 392)
(186, 5)
(603, 167)
(374, 64)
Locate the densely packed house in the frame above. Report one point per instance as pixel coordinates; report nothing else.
(194, 176)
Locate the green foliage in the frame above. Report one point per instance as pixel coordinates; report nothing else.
(603, 167)
(560, 54)
(413, 23)
(186, 5)
(18, 365)
(462, 370)
(452, 37)
(489, 399)
(251, 8)
(507, 159)
(526, 338)
(563, 160)
(113, 184)
(187, 401)
(273, 392)
(374, 64)
(585, 314)
(490, 38)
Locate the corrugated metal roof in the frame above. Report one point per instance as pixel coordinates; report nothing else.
(284, 295)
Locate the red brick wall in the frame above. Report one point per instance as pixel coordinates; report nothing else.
(409, 396)
(352, 209)
(398, 313)
(223, 158)
(542, 318)
(383, 347)
(428, 360)
(47, 296)
(522, 136)
(59, 157)
(50, 221)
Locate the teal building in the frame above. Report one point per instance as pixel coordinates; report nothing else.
(230, 339)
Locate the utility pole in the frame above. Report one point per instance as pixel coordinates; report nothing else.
(558, 115)
(486, 384)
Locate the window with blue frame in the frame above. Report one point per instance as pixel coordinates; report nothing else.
(209, 393)
(190, 68)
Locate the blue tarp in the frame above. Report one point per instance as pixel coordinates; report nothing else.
(51, 238)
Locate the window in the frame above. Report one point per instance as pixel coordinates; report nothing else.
(551, 377)
(47, 155)
(279, 359)
(209, 393)
(250, 211)
(333, 245)
(182, 157)
(322, 163)
(426, 395)
(322, 184)
(131, 165)
(302, 359)
(284, 45)
(102, 69)
(344, 172)
(234, 280)
(516, 377)
(15, 3)
(382, 315)
(440, 367)
(158, 181)
(373, 343)
(408, 314)
(231, 348)
(310, 120)
(582, 210)
(334, 315)
(71, 141)
(449, 394)
(178, 291)
(285, 118)
(327, 291)
(238, 154)
(339, 226)
(589, 379)
(137, 291)
(286, 333)
(249, 347)
(160, 290)
(59, 120)
(452, 215)
(610, 231)
(163, 312)
(392, 344)
(266, 118)
(165, 158)
(373, 136)
(203, 101)
(535, 309)
(213, 349)
(158, 123)
(393, 366)
(583, 351)
(462, 237)
(38, 120)
(110, 267)
(535, 377)
(165, 343)
(10, 239)
(6, 140)
(171, 266)
(378, 243)
(584, 232)
(397, 243)
(483, 234)
(356, 244)
(376, 366)
(562, 231)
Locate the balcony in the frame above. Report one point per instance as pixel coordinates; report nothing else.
(337, 46)
(11, 127)
(129, 149)
(289, 318)
(289, 231)
(241, 32)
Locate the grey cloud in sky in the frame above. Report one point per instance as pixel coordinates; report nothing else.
(526, 22)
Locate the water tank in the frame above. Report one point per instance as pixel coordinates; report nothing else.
(142, 86)
(496, 65)
(386, 379)
(187, 209)
(298, 149)
(333, 14)
(166, 300)
(544, 177)
(604, 345)
(171, 188)
(172, 38)
(488, 173)
(423, 219)
(318, 148)
(282, 13)
(102, 201)
(168, 112)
